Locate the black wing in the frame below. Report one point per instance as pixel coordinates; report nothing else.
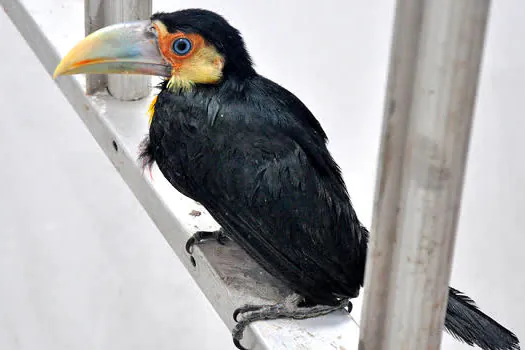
(270, 182)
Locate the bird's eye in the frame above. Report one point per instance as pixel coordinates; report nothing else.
(182, 46)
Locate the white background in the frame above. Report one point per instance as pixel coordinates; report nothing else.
(83, 267)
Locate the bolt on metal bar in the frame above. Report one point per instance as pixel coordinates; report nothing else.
(433, 76)
(101, 13)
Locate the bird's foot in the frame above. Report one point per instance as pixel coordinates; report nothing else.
(200, 236)
(289, 308)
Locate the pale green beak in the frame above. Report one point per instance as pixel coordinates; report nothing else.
(126, 48)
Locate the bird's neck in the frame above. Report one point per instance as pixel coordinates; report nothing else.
(233, 82)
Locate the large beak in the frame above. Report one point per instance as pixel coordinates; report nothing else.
(127, 48)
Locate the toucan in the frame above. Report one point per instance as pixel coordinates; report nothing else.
(256, 158)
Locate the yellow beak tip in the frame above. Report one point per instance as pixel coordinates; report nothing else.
(57, 72)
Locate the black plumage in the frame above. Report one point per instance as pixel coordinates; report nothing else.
(254, 155)
(243, 154)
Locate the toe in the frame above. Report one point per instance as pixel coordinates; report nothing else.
(189, 245)
(244, 309)
(238, 345)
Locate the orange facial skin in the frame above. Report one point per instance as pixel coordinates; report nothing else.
(202, 64)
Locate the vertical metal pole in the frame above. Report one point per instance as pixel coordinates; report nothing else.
(94, 19)
(434, 69)
(128, 87)
(101, 13)
(403, 59)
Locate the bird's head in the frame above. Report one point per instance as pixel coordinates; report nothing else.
(188, 47)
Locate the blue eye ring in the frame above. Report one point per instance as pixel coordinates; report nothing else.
(182, 46)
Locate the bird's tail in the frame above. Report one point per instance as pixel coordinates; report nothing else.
(467, 323)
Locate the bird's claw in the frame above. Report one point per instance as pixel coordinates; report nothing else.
(244, 309)
(289, 308)
(238, 345)
(189, 244)
(200, 236)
